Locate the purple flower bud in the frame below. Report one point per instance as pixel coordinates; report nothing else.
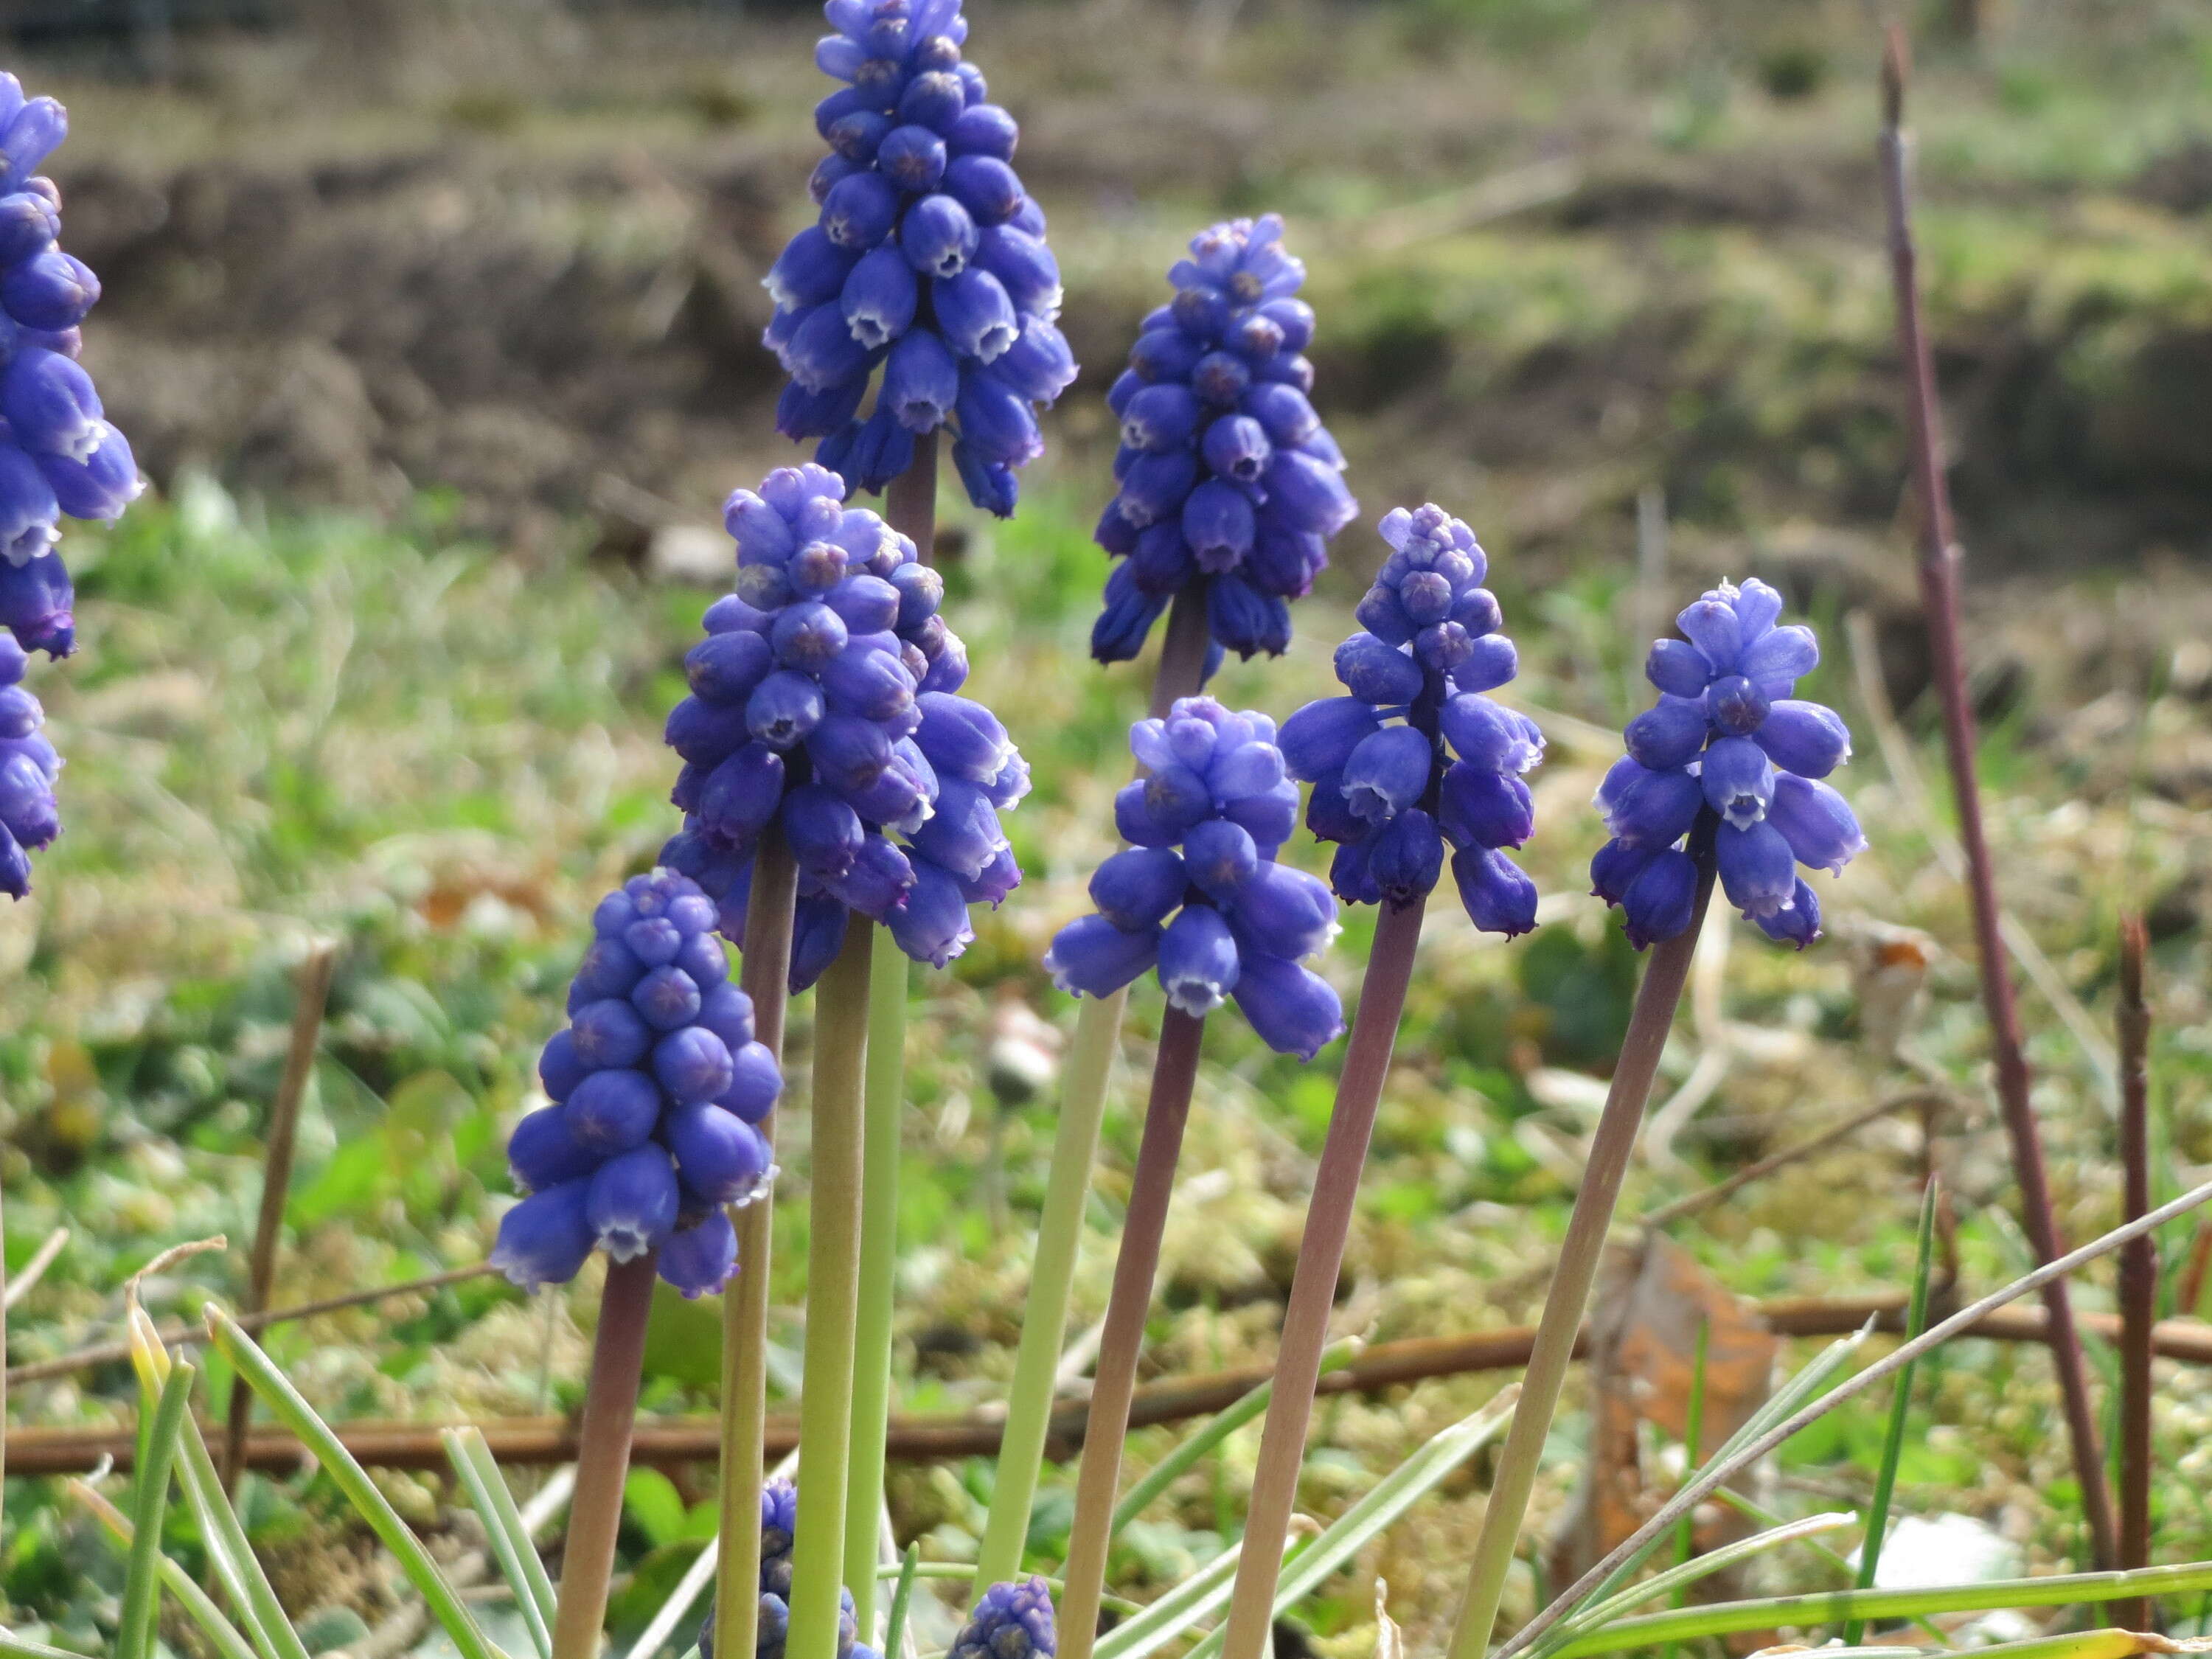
(1733, 705)
(1798, 922)
(810, 271)
(1667, 735)
(1616, 868)
(1241, 618)
(1166, 355)
(101, 486)
(1490, 663)
(860, 211)
(962, 738)
(614, 1109)
(938, 237)
(1478, 807)
(1156, 486)
(1278, 911)
(1092, 958)
(1804, 738)
(991, 486)
(692, 1065)
(1161, 418)
(1405, 857)
(1499, 899)
(1712, 627)
(1293, 1010)
(27, 809)
(1025, 268)
(544, 1239)
(1130, 611)
(824, 832)
(1320, 738)
(1218, 525)
(1779, 658)
(879, 298)
(724, 668)
(1039, 366)
(1678, 668)
(827, 172)
(1376, 674)
(560, 1068)
(1137, 889)
(1198, 960)
(880, 878)
(51, 291)
(1651, 808)
(1738, 781)
(1294, 318)
(974, 315)
(817, 934)
(995, 421)
(29, 509)
(931, 926)
(822, 353)
(543, 1153)
(1757, 868)
(755, 1082)
(1822, 831)
(1220, 378)
(632, 1201)
(50, 405)
(1236, 448)
(1387, 772)
(610, 1033)
(720, 1158)
(740, 795)
(28, 225)
(986, 186)
(1220, 855)
(912, 157)
(983, 129)
(896, 799)
(932, 100)
(964, 834)
(700, 1258)
(785, 706)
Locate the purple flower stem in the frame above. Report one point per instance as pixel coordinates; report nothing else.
(603, 1457)
(1939, 589)
(1107, 1428)
(2138, 1275)
(764, 974)
(910, 499)
(1648, 1023)
(1313, 1284)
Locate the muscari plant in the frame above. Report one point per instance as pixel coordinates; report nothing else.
(835, 782)
(60, 457)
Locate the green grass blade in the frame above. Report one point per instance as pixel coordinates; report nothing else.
(16, 1648)
(142, 1581)
(1217, 1429)
(511, 1547)
(1391, 1497)
(222, 1634)
(1677, 1578)
(286, 1404)
(902, 1603)
(268, 1625)
(1840, 1607)
(1900, 1406)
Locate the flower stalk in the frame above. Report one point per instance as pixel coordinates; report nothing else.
(1174, 1072)
(833, 1288)
(1653, 1017)
(1939, 564)
(1313, 1284)
(765, 974)
(2138, 1275)
(1180, 673)
(602, 1457)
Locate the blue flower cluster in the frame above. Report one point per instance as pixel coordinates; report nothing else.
(28, 766)
(1386, 787)
(823, 699)
(929, 259)
(1227, 476)
(1725, 773)
(57, 453)
(657, 1082)
(1012, 1621)
(1198, 895)
(779, 1510)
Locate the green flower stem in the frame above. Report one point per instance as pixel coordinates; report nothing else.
(134, 1637)
(1313, 1283)
(1174, 1072)
(1841, 1607)
(883, 1101)
(1059, 1230)
(1051, 1274)
(765, 974)
(833, 1293)
(1656, 999)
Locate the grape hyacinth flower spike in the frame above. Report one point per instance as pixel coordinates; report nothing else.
(1229, 483)
(1722, 783)
(824, 699)
(1013, 1620)
(1415, 756)
(1199, 898)
(656, 1083)
(929, 260)
(1728, 771)
(779, 1524)
(58, 457)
